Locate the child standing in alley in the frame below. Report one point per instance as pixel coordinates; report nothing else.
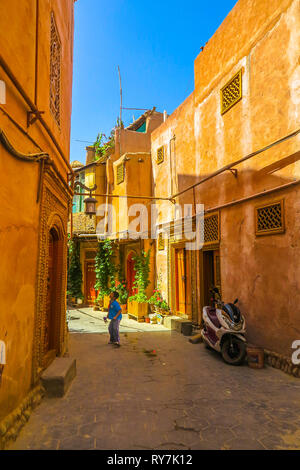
(115, 317)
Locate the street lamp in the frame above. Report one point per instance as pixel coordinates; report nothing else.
(90, 202)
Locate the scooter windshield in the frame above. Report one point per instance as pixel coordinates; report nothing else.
(233, 312)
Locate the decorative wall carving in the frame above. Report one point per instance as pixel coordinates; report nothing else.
(160, 155)
(231, 93)
(53, 214)
(269, 219)
(120, 173)
(211, 229)
(55, 70)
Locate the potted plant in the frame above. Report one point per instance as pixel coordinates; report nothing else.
(138, 303)
(105, 272)
(158, 304)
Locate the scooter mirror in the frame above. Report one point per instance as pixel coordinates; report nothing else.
(236, 301)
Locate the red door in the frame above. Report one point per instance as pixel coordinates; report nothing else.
(90, 281)
(180, 280)
(130, 274)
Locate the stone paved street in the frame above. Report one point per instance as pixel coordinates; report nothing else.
(184, 397)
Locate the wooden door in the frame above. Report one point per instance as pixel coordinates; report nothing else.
(90, 281)
(130, 275)
(208, 275)
(49, 301)
(180, 280)
(217, 269)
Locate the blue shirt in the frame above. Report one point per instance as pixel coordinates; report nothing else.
(114, 309)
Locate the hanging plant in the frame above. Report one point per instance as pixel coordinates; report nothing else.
(105, 269)
(74, 270)
(141, 280)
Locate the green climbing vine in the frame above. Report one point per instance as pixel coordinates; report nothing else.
(141, 281)
(74, 269)
(105, 268)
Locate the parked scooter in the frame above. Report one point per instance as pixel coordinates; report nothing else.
(224, 329)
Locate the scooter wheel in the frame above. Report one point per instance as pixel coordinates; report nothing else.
(233, 351)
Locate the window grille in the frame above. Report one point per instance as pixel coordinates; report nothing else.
(270, 219)
(231, 93)
(55, 70)
(211, 229)
(161, 242)
(120, 173)
(160, 155)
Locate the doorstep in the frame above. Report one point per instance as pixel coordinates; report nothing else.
(173, 322)
(57, 378)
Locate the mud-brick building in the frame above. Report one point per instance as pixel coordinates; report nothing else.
(130, 183)
(82, 227)
(36, 50)
(234, 146)
(125, 170)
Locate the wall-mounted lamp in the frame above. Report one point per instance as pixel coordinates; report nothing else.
(90, 202)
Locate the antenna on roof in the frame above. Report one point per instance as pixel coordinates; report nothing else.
(120, 96)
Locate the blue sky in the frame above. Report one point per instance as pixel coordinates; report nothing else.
(154, 43)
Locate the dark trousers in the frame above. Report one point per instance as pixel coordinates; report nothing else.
(113, 330)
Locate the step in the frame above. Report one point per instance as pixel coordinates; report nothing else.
(57, 378)
(176, 323)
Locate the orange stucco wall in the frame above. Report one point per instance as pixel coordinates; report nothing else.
(19, 211)
(261, 271)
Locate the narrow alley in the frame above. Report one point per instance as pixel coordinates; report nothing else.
(158, 391)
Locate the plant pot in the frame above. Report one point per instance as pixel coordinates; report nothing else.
(147, 320)
(124, 308)
(139, 310)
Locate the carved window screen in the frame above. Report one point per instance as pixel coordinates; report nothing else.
(161, 242)
(269, 219)
(160, 155)
(211, 229)
(231, 93)
(55, 70)
(120, 173)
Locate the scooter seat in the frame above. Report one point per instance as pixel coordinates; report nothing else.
(212, 315)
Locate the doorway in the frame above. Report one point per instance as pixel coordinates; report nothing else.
(183, 301)
(211, 273)
(130, 274)
(50, 346)
(90, 281)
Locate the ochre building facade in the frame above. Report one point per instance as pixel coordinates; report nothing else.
(125, 170)
(36, 44)
(246, 97)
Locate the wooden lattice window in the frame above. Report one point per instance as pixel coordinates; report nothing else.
(55, 70)
(269, 219)
(211, 229)
(120, 173)
(161, 242)
(160, 155)
(231, 93)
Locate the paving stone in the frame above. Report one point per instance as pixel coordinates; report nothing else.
(121, 399)
(77, 443)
